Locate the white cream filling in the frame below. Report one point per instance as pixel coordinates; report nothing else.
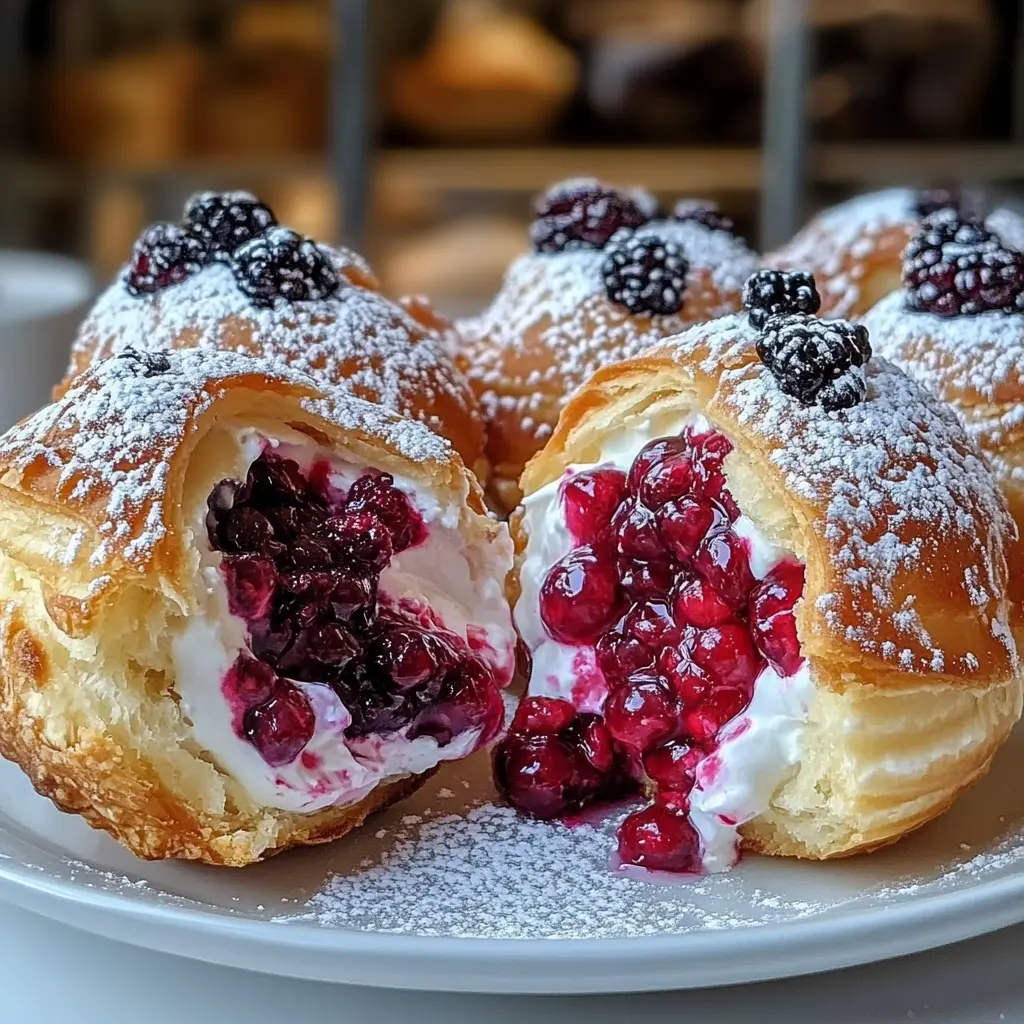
(463, 584)
(757, 751)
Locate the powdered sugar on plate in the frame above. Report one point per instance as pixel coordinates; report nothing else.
(492, 873)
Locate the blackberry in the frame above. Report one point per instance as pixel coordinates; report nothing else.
(225, 220)
(584, 214)
(164, 255)
(152, 363)
(645, 274)
(283, 264)
(704, 212)
(816, 361)
(957, 267)
(771, 292)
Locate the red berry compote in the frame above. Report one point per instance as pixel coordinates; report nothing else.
(665, 657)
(348, 631)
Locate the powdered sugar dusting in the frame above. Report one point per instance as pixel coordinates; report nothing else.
(112, 436)
(490, 873)
(976, 363)
(552, 316)
(493, 874)
(838, 241)
(899, 486)
(355, 339)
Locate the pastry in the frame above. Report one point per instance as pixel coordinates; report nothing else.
(957, 325)
(608, 278)
(763, 578)
(853, 249)
(230, 278)
(238, 614)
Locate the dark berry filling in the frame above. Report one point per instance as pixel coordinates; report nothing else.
(645, 274)
(225, 220)
(584, 215)
(957, 267)
(555, 761)
(302, 563)
(282, 264)
(679, 653)
(771, 292)
(164, 255)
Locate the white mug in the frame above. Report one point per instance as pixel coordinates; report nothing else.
(42, 300)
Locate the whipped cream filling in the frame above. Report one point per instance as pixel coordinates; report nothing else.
(462, 584)
(757, 750)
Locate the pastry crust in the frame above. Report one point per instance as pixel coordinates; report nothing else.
(853, 250)
(356, 340)
(97, 573)
(976, 365)
(904, 534)
(552, 325)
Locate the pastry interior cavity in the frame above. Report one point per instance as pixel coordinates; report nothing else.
(360, 638)
(706, 711)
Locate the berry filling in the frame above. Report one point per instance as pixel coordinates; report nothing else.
(678, 659)
(303, 553)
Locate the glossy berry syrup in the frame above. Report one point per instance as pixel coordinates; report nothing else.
(659, 585)
(301, 565)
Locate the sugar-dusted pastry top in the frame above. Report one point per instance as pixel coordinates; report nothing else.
(109, 449)
(975, 363)
(552, 325)
(845, 244)
(901, 525)
(355, 340)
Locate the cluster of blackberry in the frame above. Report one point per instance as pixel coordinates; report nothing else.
(268, 261)
(956, 266)
(815, 361)
(646, 273)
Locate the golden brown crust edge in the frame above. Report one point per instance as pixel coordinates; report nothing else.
(117, 792)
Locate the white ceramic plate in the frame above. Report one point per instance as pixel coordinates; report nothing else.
(435, 895)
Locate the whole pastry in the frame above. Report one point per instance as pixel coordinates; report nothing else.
(237, 614)
(609, 277)
(230, 277)
(764, 579)
(853, 249)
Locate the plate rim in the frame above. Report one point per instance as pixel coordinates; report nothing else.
(693, 959)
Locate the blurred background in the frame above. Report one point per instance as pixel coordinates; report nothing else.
(417, 130)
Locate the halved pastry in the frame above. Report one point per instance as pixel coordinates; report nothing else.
(229, 277)
(853, 249)
(771, 594)
(610, 276)
(238, 616)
